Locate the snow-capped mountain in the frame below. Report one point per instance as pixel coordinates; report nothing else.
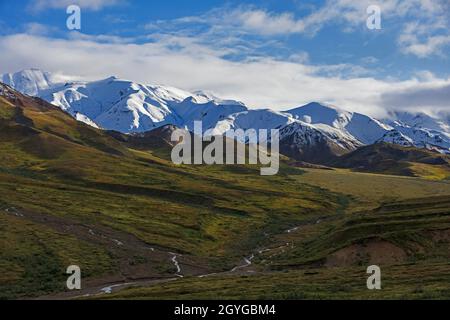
(440, 123)
(396, 137)
(116, 104)
(317, 144)
(426, 138)
(30, 82)
(255, 119)
(364, 128)
(210, 112)
(130, 107)
(422, 130)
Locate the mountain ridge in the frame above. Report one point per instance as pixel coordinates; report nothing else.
(130, 107)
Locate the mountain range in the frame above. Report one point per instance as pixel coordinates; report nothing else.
(312, 132)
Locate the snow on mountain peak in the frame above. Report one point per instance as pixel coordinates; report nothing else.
(29, 81)
(118, 104)
(130, 107)
(396, 137)
(204, 97)
(364, 128)
(420, 120)
(126, 106)
(321, 113)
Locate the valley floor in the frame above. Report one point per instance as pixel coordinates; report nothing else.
(405, 231)
(317, 247)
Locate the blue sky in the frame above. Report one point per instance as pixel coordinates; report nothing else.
(269, 53)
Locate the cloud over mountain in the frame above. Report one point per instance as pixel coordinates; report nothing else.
(184, 63)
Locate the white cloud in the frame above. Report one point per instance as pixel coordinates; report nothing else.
(265, 23)
(300, 57)
(184, 63)
(417, 22)
(39, 5)
(424, 40)
(433, 45)
(336, 12)
(37, 28)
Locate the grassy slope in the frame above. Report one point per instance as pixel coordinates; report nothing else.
(393, 159)
(370, 190)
